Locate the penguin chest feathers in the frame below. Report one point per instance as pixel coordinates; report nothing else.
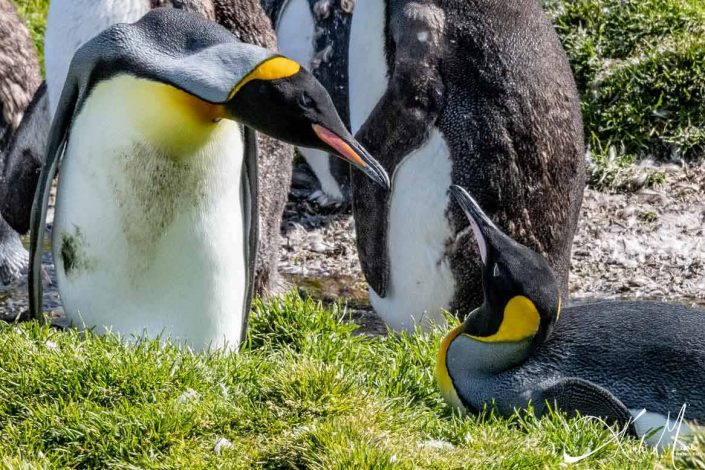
(149, 230)
(421, 283)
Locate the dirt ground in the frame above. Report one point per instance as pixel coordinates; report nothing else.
(648, 243)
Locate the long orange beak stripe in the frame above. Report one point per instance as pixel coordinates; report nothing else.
(339, 145)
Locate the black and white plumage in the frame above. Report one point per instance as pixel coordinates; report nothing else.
(316, 33)
(639, 364)
(156, 223)
(477, 93)
(71, 23)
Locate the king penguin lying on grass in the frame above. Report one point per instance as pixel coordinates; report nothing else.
(156, 218)
(633, 363)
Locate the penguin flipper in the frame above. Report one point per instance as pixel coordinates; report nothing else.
(589, 399)
(251, 220)
(400, 123)
(58, 136)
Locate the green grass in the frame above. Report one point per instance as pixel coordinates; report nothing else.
(306, 391)
(640, 66)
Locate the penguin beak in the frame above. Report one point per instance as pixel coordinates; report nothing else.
(479, 222)
(351, 151)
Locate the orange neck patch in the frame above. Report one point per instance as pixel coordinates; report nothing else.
(521, 320)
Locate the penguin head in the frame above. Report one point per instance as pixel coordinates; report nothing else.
(197, 58)
(521, 295)
(521, 305)
(282, 99)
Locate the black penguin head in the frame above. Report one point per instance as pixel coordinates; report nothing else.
(522, 299)
(521, 305)
(284, 100)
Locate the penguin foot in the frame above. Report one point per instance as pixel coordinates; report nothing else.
(14, 259)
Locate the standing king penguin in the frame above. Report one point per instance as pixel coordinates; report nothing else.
(155, 230)
(19, 78)
(639, 364)
(71, 23)
(472, 92)
(316, 33)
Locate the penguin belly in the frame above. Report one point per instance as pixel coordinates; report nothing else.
(367, 65)
(295, 35)
(421, 283)
(146, 242)
(71, 23)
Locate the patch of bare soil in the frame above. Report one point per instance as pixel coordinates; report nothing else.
(645, 244)
(648, 243)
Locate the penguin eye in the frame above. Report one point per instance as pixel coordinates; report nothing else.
(305, 101)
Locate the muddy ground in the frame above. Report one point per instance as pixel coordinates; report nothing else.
(645, 243)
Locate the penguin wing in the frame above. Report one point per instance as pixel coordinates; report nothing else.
(251, 219)
(399, 124)
(58, 136)
(589, 399)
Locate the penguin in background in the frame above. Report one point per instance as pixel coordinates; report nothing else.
(71, 23)
(19, 78)
(638, 364)
(316, 33)
(471, 92)
(156, 230)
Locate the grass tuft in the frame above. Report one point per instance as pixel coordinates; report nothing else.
(640, 66)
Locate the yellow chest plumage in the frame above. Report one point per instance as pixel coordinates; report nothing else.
(175, 122)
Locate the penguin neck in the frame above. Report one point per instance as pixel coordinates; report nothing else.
(477, 357)
(174, 122)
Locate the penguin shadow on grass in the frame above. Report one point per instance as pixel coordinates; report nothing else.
(639, 366)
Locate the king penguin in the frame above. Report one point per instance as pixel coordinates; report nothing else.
(19, 78)
(639, 364)
(71, 23)
(316, 33)
(471, 92)
(155, 230)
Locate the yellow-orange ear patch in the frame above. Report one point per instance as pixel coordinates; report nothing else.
(521, 320)
(270, 69)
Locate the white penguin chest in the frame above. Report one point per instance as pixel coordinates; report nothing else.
(367, 64)
(295, 31)
(70, 24)
(421, 283)
(147, 241)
